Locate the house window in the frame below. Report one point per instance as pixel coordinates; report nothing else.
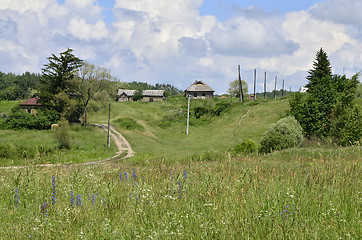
(151, 99)
(195, 94)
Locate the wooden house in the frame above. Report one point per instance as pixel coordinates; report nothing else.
(199, 90)
(31, 105)
(148, 95)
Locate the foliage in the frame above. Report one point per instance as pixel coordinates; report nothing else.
(325, 110)
(247, 146)
(351, 132)
(286, 133)
(90, 85)
(14, 87)
(234, 88)
(43, 118)
(62, 134)
(169, 89)
(321, 69)
(129, 124)
(138, 95)
(56, 90)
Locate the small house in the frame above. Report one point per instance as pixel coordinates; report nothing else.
(31, 105)
(148, 95)
(199, 90)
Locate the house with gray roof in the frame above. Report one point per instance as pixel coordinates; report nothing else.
(148, 95)
(199, 90)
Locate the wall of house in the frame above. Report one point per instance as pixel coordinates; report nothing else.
(199, 95)
(152, 99)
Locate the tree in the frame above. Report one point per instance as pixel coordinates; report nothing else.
(234, 88)
(138, 95)
(90, 85)
(321, 68)
(56, 78)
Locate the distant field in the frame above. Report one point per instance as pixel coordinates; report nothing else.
(208, 137)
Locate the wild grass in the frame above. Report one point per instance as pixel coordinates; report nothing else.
(279, 196)
(30, 147)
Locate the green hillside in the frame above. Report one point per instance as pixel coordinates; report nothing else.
(163, 131)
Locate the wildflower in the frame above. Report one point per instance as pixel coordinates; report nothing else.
(44, 209)
(171, 175)
(93, 196)
(16, 197)
(185, 174)
(179, 190)
(134, 174)
(125, 176)
(71, 198)
(79, 200)
(54, 191)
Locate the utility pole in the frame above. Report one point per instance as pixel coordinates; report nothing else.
(283, 89)
(188, 116)
(241, 95)
(264, 86)
(109, 121)
(275, 88)
(254, 83)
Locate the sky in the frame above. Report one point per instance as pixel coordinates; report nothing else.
(177, 42)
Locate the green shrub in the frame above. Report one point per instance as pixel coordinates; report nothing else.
(129, 124)
(62, 134)
(351, 132)
(246, 147)
(286, 133)
(7, 150)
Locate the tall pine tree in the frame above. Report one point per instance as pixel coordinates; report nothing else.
(321, 68)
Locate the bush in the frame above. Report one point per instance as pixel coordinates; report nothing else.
(62, 134)
(286, 133)
(246, 147)
(129, 124)
(7, 150)
(351, 132)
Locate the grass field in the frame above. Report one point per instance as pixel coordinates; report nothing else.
(179, 186)
(285, 195)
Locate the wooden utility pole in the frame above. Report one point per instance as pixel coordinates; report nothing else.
(109, 123)
(283, 88)
(275, 88)
(188, 116)
(241, 95)
(254, 83)
(264, 86)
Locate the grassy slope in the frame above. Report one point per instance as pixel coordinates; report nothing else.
(173, 144)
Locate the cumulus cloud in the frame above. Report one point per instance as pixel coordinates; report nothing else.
(170, 42)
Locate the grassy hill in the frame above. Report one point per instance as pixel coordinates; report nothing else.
(159, 129)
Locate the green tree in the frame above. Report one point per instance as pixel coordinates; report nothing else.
(138, 95)
(234, 88)
(56, 78)
(90, 85)
(321, 68)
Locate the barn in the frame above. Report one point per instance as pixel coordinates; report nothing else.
(148, 95)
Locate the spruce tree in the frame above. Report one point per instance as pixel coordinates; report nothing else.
(321, 68)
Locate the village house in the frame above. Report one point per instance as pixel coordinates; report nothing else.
(148, 95)
(31, 105)
(199, 90)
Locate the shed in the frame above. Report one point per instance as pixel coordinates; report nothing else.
(125, 95)
(31, 105)
(148, 95)
(199, 90)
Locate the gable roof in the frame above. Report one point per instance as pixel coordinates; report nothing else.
(31, 102)
(129, 93)
(199, 86)
(145, 93)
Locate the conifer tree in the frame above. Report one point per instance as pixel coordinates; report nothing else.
(321, 68)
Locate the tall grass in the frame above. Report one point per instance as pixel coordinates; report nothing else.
(258, 198)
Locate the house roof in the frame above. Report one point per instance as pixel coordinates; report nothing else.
(146, 93)
(31, 102)
(129, 93)
(199, 86)
(153, 93)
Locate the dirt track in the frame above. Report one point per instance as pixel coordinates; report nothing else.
(121, 143)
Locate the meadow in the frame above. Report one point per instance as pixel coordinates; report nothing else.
(182, 186)
(293, 194)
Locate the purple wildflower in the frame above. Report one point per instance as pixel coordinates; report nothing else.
(16, 197)
(54, 191)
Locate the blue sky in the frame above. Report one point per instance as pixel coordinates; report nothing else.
(180, 41)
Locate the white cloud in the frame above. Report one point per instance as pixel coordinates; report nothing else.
(169, 42)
